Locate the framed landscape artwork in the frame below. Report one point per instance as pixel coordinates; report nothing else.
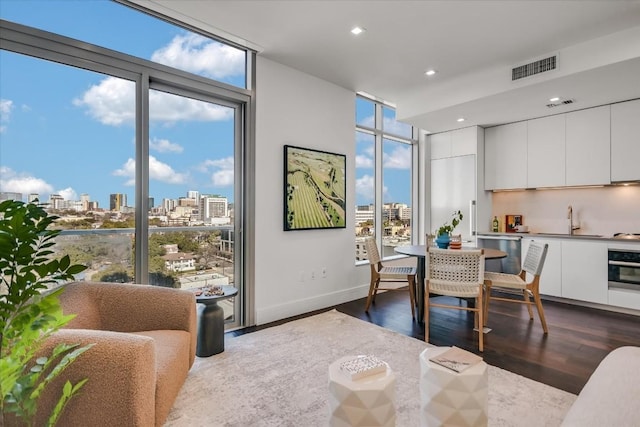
(314, 189)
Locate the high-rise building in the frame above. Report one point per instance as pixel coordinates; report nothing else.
(33, 197)
(364, 213)
(151, 202)
(7, 195)
(56, 201)
(117, 201)
(85, 201)
(187, 201)
(169, 205)
(213, 207)
(193, 194)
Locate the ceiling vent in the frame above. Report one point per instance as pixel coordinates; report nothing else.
(560, 103)
(533, 68)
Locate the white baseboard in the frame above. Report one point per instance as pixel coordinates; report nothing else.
(301, 306)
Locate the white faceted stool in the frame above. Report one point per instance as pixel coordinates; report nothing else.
(368, 401)
(449, 398)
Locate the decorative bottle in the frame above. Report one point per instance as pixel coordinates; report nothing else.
(495, 225)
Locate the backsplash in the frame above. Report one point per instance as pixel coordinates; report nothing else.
(601, 210)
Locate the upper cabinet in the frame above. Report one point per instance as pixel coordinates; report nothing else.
(440, 145)
(506, 156)
(588, 146)
(546, 152)
(459, 142)
(625, 141)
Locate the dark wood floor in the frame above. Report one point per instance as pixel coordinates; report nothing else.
(579, 337)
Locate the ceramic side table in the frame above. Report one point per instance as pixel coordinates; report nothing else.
(368, 401)
(449, 398)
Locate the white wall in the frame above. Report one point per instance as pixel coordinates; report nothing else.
(298, 109)
(604, 210)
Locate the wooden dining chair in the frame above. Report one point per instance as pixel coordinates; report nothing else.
(382, 273)
(455, 273)
(533, 263)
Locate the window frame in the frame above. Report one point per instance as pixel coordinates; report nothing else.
(379, 136)
(146, 75)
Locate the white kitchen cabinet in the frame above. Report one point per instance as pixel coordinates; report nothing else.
(464, 141)
(457, 180)
(625, 141)
(584, 271)
(546, 152)
(506, 156)
(459, 142)
(551, 277)
(588, 146)
(440, 145)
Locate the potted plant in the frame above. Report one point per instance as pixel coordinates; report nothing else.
(443, 234)
(30, 312)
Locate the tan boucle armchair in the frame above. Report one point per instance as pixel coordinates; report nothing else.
(145, 342)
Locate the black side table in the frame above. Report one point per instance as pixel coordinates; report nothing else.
(211, 322)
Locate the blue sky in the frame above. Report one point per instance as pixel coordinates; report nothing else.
(396, 158)
(70, 131)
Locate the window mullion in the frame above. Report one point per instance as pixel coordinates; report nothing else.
(379, 226)
(142, 180)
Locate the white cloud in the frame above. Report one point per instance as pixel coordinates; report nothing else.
(6, 105)
(68, 194)
(398, 158)
(367, 122)
(397, 128)
(112, 102)
(13, 182)
(165, 146)
(157, 170)
(128, 170)
(171, 108)
(365, 188)
(364, 162)
(201, 55)
(222, 176)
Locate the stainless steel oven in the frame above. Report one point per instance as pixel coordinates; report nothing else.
(624, 269)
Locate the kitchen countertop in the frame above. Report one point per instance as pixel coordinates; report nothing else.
(562, 236)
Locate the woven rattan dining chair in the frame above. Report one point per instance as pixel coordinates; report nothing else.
(382, 273)
(533, 263)
(455, 273)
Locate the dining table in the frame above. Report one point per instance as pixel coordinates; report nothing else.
(420, 252)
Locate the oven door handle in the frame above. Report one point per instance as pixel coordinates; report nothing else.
(625, 264)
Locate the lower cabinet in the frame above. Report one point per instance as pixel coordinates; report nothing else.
(624, 298)
(584, 271)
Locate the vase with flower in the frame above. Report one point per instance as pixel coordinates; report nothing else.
(444, 231)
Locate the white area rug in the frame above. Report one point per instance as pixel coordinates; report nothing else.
(278, 377)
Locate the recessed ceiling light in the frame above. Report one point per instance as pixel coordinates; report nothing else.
(357, 30)
(554, 99)
(430, 72)
(461, 119)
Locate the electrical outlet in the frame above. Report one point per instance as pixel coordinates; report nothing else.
(313, 275)
(323, 272)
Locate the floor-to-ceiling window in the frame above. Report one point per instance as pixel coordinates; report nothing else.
(137, 143)
(384, 176)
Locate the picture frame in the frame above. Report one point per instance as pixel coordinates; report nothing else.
(314, 189)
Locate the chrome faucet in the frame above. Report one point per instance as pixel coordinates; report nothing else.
(572, 227)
